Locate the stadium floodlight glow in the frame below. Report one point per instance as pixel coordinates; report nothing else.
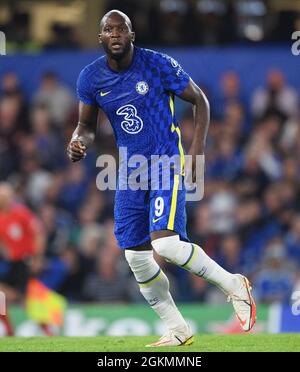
(2, 43)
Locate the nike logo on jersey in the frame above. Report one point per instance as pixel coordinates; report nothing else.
(103, 94)
(156, 219)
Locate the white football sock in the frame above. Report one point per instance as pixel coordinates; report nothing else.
(154, 286)
(193, 258)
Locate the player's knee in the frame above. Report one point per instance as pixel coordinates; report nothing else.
(168, 247)
(133, 259)
(138, 261)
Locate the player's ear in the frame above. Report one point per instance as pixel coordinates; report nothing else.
(99, 38)
(132, 36)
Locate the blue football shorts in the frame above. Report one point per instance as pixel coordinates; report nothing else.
(139, 212)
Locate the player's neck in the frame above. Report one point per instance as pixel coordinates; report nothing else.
(123, 63)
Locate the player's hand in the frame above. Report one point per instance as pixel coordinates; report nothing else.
(76, 150)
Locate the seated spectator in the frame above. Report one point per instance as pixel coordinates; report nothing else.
(58, 99)
(230, 92)
(49, 144)
(229, 254)
(274, 280)
(108, 282)
(277, 98)
(292, 240)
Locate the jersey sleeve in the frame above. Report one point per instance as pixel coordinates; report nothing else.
(173, 77)
(84, 91)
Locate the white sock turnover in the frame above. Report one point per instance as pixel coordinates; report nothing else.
(154, 286)
(193, 258)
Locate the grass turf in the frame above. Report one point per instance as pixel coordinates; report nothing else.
(247, 342)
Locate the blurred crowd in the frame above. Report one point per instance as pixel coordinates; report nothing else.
(207, 22)
(177, 23)
(248, 221)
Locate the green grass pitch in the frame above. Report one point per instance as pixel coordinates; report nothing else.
(246, 342)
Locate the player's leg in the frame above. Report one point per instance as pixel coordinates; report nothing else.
(8, 328)
(132, 233)
(4, 314)
(154, 286)
(12, 290)
(169, 240)
(193, 258)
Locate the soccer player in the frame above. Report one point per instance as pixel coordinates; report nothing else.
(135, 88)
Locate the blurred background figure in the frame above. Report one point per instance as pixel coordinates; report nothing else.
(277, 98)
(21, 238)
(274, 280)
(55, 97)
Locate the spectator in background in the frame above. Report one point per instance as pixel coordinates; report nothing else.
(229, 253)
(10, 85)
(223, 204)
(202, 228)
(277, 98)
(37, 179)
(230, 92)
(57, 98)
(90, 234)
(261, 147)
(251, 180)
(109, 279)
(289, 136)
(48, 144)
(57, 225)
(78, 266)
(292, 240)
(51, 271)
(227, 161)
(10, 111)
(74, 189)
(274, 281)
(21, 237)
(234, 121)
(196, 290)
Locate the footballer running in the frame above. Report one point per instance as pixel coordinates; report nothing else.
(135, 87)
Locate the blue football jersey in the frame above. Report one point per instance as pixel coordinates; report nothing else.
(138, 101)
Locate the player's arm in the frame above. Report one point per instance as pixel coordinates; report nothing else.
(201, 110)
(85, 132)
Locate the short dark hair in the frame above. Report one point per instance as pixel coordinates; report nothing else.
(121, 14)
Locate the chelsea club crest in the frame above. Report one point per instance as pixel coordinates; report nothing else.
(142, 87)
